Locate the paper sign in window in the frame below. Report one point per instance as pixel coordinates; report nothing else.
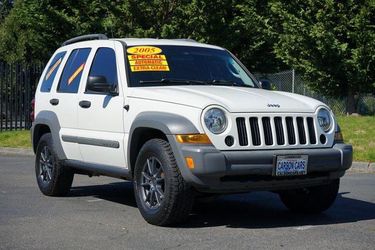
(147, 58)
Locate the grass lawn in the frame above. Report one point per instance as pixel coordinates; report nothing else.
(357, 130)
(15, 139)
(360, 132)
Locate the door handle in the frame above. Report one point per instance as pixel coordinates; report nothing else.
(54, 101)
(85, 104)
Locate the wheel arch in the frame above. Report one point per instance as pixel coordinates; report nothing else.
(38, 131)
(47, 122)
(149, 125)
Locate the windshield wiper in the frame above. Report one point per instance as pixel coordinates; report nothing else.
(228, 83)
(171, 80)
(225, 82)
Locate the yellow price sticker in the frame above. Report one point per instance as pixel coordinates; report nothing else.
(144, 50)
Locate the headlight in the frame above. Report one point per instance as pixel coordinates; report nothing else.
(215, 120)
(324, 119)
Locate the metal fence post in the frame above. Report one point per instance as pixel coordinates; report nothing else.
(293, 77)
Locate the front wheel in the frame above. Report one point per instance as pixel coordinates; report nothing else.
(162, 195)
(312, 199)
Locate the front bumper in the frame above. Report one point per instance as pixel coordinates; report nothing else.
(236, 171)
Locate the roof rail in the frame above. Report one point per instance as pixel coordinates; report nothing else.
(85, 38)
(185, 39)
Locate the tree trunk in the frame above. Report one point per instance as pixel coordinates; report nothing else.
(350, 103)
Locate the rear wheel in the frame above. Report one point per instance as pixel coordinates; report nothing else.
(53, 178)
(162, 195)
(312, 199)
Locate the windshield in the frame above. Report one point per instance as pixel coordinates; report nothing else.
(184, 65)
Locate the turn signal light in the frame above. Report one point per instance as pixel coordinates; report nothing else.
(190, 162)
(194, 138)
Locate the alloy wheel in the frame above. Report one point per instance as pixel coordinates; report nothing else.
(152, 184)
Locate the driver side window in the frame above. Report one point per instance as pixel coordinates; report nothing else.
(104, 65)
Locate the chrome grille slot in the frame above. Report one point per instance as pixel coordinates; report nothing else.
(267, 131)
(310, 125)
(301, 130)
(255, 134)
(242, 133)
(279, 131)
(290, 130)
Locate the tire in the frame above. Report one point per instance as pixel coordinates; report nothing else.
(163, 197)
(311, 200)
(52, 177)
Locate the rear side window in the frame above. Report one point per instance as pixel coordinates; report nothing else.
(71, 76)
(104, 64)
(51, 72)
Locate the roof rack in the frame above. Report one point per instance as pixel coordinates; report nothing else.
(185, 40)
(85, 38)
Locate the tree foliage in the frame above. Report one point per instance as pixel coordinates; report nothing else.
(34, 29)
(331, 42)
(5, 7)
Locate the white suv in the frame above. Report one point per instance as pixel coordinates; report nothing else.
(180, 119)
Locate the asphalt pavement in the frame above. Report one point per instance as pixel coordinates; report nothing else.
(101, 213)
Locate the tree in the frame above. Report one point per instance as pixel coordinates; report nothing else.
(34, 29)
(331, 42)
(239, 26)
(5, 7)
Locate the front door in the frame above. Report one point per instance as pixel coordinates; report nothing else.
(100, 115)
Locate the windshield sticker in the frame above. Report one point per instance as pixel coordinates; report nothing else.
(144, 50)
(147, 58)
(76, 73)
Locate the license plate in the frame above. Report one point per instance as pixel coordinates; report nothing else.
(288, 165)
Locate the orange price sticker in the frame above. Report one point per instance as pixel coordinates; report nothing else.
(76, 73)
(57, 63)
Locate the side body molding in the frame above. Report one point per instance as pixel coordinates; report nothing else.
(50, 119)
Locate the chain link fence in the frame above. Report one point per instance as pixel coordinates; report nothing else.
(289, 81)
(18, 81)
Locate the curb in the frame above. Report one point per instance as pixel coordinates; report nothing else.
(16, 152)
(362, 167)
(357, 167)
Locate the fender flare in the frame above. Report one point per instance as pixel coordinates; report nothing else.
(49, 119)
(169, 124)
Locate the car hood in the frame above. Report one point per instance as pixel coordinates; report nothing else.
(234, 99)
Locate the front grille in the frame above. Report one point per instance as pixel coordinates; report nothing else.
(276, 130)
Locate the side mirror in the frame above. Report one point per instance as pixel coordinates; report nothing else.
(99, 84)
(265, 84)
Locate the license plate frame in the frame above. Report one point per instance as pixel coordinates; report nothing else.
(290, 165)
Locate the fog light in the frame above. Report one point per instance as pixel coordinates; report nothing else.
(229, 141)
(323, 139)
(190, 162)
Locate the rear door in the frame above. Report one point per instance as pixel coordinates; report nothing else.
(100, 115)
(63, 101)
